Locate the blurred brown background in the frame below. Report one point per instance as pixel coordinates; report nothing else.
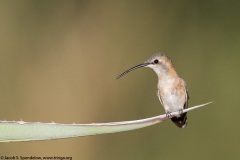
(59, 61)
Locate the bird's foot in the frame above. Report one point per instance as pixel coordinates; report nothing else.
(168, 114)
(180, 111)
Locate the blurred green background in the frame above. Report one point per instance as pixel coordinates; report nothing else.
(59, 61)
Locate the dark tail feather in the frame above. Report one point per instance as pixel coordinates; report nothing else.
(181, 121)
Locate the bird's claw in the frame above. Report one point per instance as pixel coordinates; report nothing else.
(168, 114)
(180, 111)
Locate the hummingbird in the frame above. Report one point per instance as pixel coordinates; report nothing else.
(171, 89)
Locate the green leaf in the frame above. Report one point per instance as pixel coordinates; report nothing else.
(12, 131)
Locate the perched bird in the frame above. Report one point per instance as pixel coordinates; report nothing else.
(171, 89)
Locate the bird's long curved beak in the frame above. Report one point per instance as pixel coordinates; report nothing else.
(133, 68)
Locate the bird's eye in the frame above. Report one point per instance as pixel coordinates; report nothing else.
(156, 61)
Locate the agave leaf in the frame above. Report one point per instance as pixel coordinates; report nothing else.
(12, 131)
